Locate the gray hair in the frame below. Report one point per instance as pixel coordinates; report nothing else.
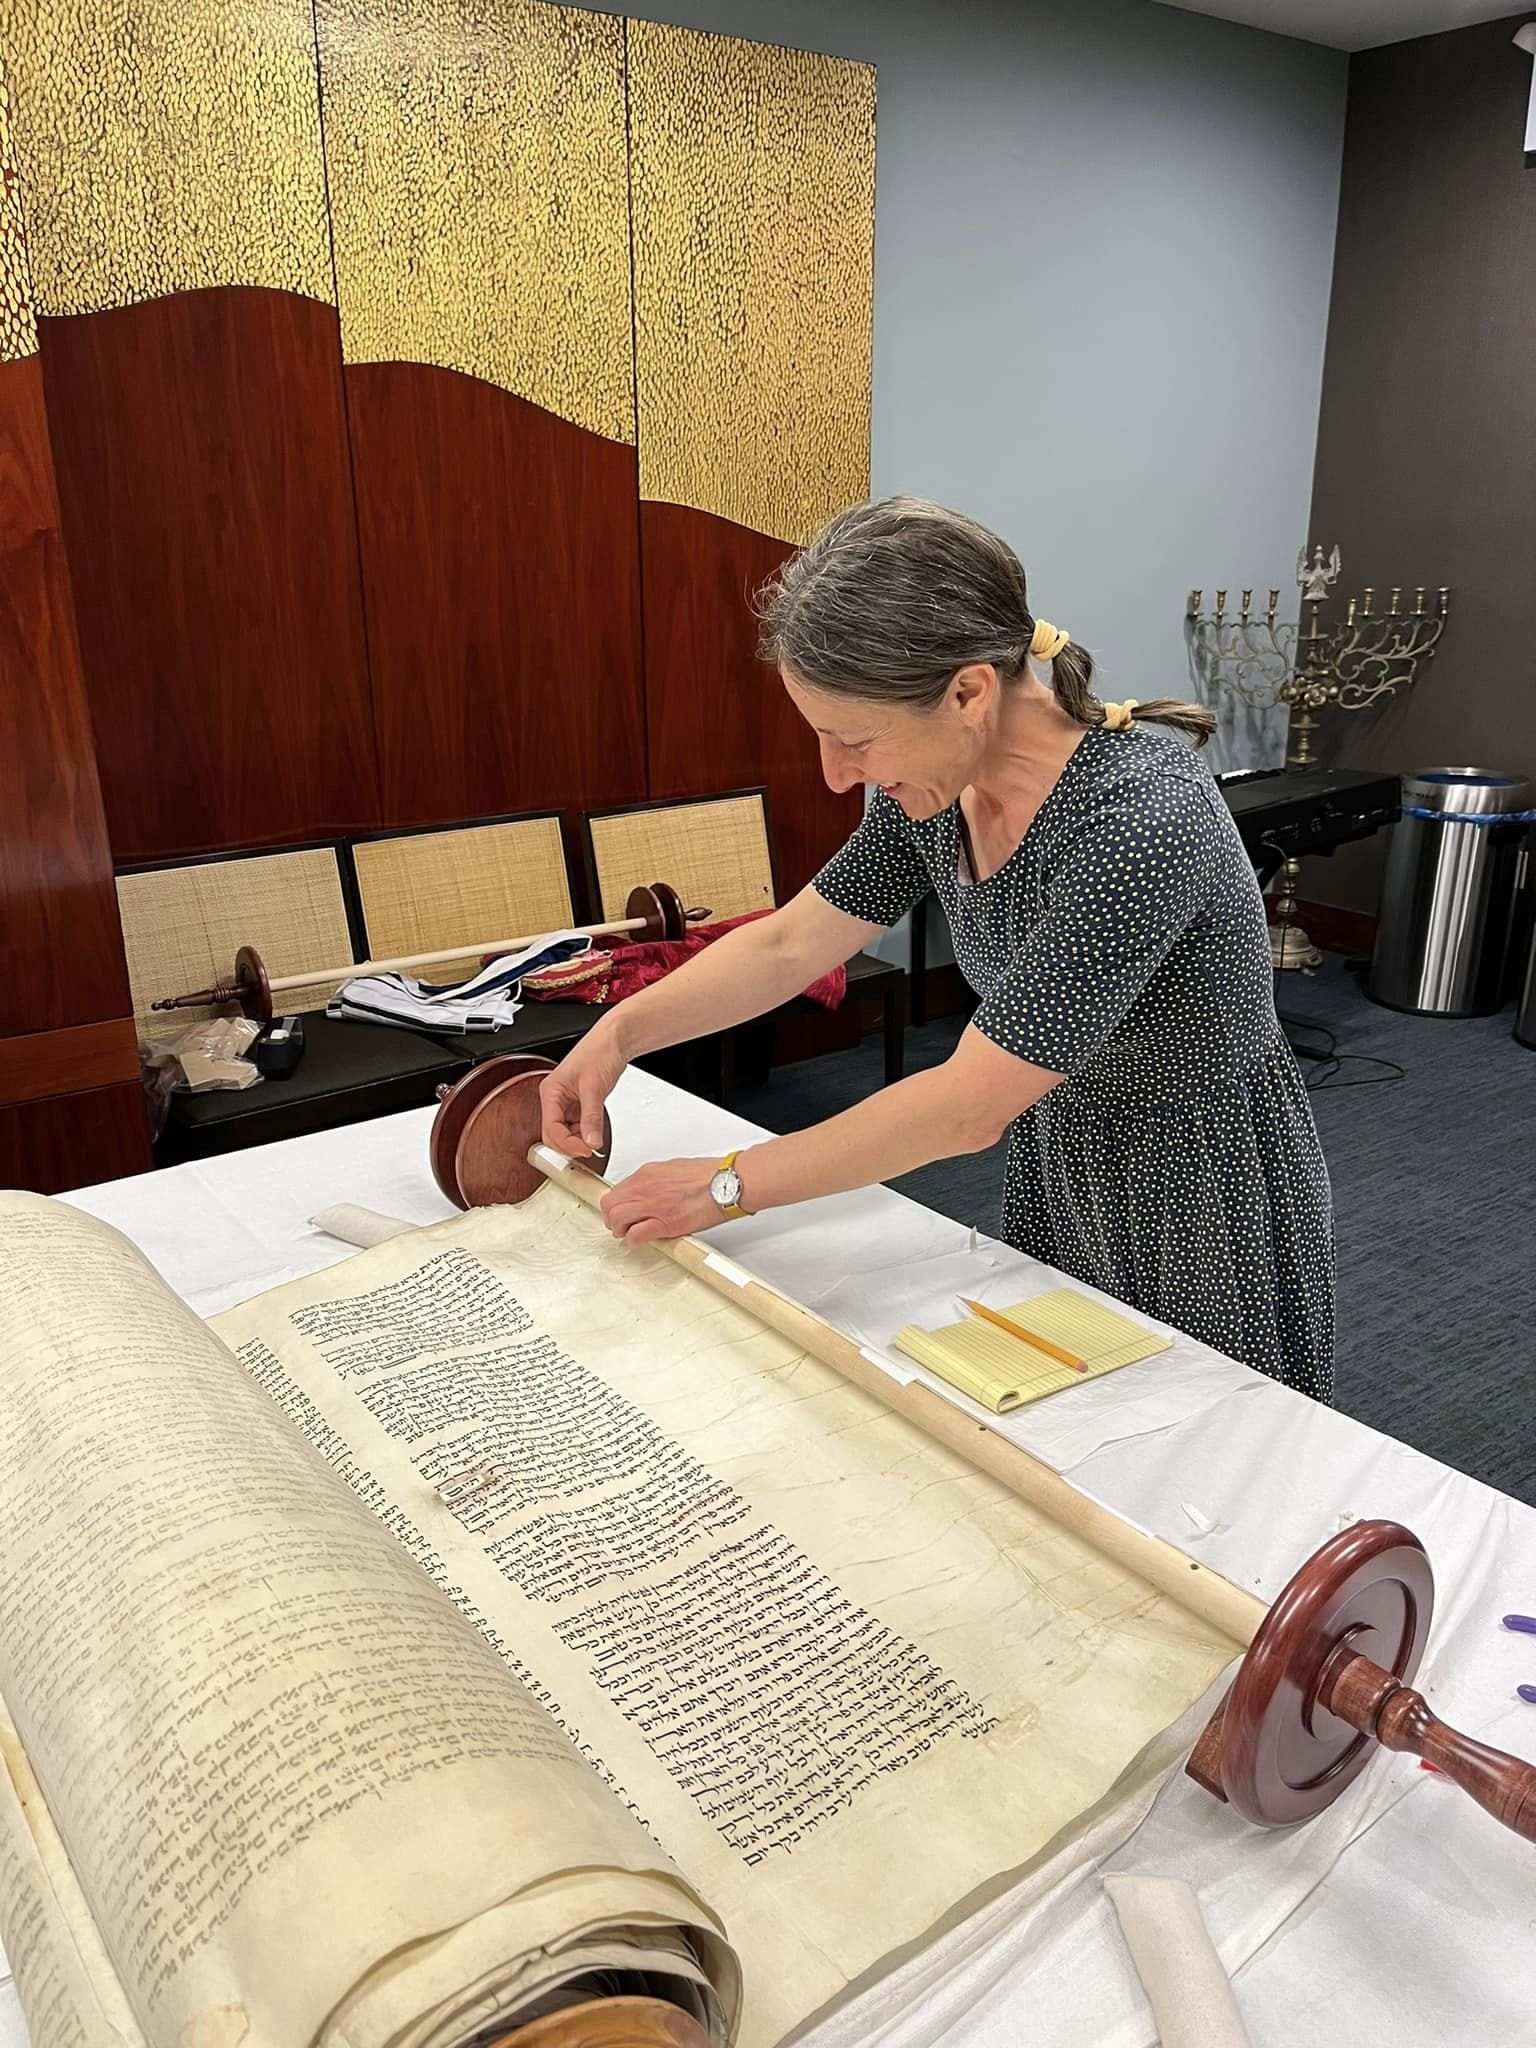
(891, 599)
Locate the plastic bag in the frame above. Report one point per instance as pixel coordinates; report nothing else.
(207, 1055)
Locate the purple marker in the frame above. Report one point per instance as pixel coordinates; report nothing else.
(1527, 1693)
(1525, 1623)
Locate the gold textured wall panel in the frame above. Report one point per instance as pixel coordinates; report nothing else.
(753, 192)
(166, 145)
(18, 326)
(476, 151)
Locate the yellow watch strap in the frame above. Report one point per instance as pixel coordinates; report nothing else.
(734, 1210)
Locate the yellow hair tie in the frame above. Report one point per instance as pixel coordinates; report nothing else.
(1046, 642)
(1117, 717)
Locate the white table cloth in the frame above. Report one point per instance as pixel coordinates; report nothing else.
(1404, 1914)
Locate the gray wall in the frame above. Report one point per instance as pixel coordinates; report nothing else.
(1104, 241)
(1103, 246)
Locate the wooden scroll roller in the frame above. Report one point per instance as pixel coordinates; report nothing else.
(611, 2023)
(651, 913)
(1327, 1670)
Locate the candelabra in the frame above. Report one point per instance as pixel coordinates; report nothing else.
(1249, 657)
(1306, 665)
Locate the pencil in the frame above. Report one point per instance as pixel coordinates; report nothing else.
(990, 1315)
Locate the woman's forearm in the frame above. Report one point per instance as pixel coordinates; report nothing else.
(910, 1124)
(741, 975)
(965, 1105)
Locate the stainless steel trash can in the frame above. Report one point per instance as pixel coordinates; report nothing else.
(1442, 931)
(1525, 992)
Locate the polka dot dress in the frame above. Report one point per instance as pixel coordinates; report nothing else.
(1123, 945)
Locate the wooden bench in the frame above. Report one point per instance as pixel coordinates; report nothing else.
(716, 851)
(182, 923)
(383, 896)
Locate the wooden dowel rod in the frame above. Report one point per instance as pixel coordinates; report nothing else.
(1162, 1565)
(356, 968)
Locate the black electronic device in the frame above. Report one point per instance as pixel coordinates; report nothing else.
(1286, 812)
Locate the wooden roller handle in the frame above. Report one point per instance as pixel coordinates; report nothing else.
(232, 990)
(611, 2023)
(213, 998)
(1376, 1703)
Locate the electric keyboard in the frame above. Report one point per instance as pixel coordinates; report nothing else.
(1282, 812)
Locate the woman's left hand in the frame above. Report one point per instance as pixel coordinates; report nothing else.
(668, 1199)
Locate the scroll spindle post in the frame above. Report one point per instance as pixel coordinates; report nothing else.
(653, 912)
(1379, 1705)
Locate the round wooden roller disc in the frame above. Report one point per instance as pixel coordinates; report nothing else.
(484, 1127)
(661, 907)
(255, 995)
(454, 1104)
(674, 918)
(1284, 1756)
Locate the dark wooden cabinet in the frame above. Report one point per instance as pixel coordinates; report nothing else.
(74, 1141)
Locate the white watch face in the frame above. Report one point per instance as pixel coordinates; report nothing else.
(725, 1188)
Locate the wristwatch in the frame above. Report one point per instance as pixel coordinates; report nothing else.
(725, 1189)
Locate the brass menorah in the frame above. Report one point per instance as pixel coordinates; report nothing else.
(1352, 664)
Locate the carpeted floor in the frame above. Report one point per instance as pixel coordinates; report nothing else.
(1434, 1179)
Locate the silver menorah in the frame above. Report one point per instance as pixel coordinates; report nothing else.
(1352, 664)
(1263, 661)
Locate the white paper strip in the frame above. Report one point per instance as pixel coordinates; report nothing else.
(893, 1368)
(548, 1160)
(728, 1269)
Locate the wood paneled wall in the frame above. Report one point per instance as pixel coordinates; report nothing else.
(420, 389)
(477, 166)
(202, 468)
(70, 1107)
(180, 243)
(430, 382)
(753, 206)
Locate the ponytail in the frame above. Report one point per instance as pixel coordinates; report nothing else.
(890, 599)
(1070, 675)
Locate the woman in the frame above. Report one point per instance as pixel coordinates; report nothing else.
(1161, 1145)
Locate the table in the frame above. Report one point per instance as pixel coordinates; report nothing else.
(1403, 1913)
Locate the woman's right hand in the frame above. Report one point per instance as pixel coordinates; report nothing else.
(572, 1097)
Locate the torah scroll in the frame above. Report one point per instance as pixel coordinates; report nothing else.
(495, 1615)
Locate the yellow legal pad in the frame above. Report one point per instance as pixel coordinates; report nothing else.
(1001, 1372)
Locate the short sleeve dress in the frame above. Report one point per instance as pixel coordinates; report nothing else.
(1123, 945)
